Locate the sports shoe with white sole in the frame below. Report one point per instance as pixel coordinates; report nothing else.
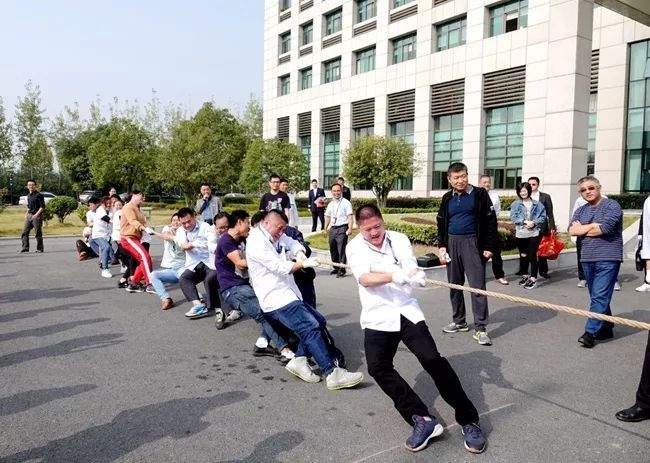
(617, 286)
(340, 378)
(298, 366)
(425, 429)
(455, 328)
(643, 288)
(582, 284)
(106, 273)
(197, 311)
(482, 338)
(233, 316)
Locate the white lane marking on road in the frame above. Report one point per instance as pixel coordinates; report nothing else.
(381, 452)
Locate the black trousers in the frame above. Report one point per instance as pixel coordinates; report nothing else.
(528, 256)
(338, 241)
(316, 215)
(381, 347)
(37, 225)
(643, 392)
(497, 264)
(201, 273)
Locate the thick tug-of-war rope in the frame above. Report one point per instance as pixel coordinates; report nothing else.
(523, 300)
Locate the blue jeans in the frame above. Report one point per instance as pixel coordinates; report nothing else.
(243, 298)
(600, 277)
(300, 319)
(162, 276)
(103, 248)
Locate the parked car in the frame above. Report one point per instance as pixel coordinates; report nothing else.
(22, 201)
(86, 195)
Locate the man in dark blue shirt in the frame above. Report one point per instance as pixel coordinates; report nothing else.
(33, 217)
(467, 238)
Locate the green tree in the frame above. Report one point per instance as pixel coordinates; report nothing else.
(378, 162)
(253, 118)
(6, 141)
(62, 206)
(209, 147)
(122, 153)
(32, 148)
(265, 157)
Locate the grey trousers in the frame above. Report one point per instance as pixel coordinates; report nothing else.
(37, 225)
(467, 260)
(338, 242)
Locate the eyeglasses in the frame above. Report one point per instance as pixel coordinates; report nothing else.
(588, 188)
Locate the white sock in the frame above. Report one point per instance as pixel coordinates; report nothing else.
(196, 302)
(262, 342)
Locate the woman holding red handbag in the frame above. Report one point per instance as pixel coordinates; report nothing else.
(528, 216)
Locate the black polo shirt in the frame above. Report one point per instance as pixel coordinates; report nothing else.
(35, 201)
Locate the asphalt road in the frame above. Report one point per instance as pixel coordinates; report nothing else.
(90, 373)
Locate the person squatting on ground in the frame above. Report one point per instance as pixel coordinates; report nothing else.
(132, 226)
(467, 235)
(33, 217)
(270, 269)
(193, 237)
(528, 216)
(172, 263)
(386, 270)
(599, 228)
(236, 291)
(338, 223)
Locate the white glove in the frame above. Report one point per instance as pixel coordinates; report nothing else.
(639, 238)
(384, 268)
(310, 262)
(418, 280)
(300, 256)
(400, 278)
(149, 230)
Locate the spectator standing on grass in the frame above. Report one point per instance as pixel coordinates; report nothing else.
(467, 237)
(293, 216)
(345, 191)
(275, 200)
(528, 216)
(207, 206)
(548, 226)
(338, 224)
(599, 228)
(497, 262)
(316, 205)
(33, 217)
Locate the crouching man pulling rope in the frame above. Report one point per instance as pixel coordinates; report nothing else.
(385, 267)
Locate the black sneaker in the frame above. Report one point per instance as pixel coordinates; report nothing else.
(24, 250)
(523, 280)
(149, 289)
(604, 333)
(530, 284)
(587, 340)
(122, 284)
(267, 351)
(131, 288)
(335, 271)
(545, 275)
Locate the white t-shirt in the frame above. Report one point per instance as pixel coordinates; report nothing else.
(338, 211)
(117, 216)
(173, 256)
(90, 218)
(101, 228)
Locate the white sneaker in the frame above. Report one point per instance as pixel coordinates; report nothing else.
(106, 273)
(340, 378)
(197, 311)
(233, 315)
(617, 286)
(287, 354)
(262, 342)
(582, 284)
(123, 269)
(298, 366)
(643, 288)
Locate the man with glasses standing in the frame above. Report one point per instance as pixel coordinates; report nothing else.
(275, 199)
(33, 217)
(338, 223)
(598, 224)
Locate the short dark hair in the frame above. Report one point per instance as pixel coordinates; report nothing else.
(220, 215)
(235, 216)
(258, 217)
(127, 197)
(104, 199)
(31, 180)
(280, 214)
(367, 211)
(526, 186)
(136, 192)
(283, 180)
(341, 178)
(335, 184)
(456, 167)
(184, 212)
(534, 178)
(272, 176)
(117, 198)
(206, 184)
(94, 200)
(314, 180)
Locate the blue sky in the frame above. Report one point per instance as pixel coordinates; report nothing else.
(189, 51)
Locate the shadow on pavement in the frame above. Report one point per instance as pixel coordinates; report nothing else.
(512, 318)
(33, 312)
(29, 399)
(71, 346)
(30, 294)
(50, 329)
(271, 447)
(130, 429)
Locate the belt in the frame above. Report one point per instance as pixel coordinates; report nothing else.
(339, 226)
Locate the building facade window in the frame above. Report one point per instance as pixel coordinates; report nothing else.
(285, 43)
(451, 34)
(591, 134)
(331, 151)
(285, 5)
(332, 70)
(405, 131)
(366, 9)
(508, 17)
(398, 3)
(307, 33)
(361, 132)
(637, 153)
(305, 146)
(333, 22)
(447, 147)
(305, 78)
(365, 60)
(404, 48)
(504, 145)
(284, 83)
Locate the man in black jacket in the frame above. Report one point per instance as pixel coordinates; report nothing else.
(467, 238)
(33, 217)
(347, 194)
(316, 205)
(547, 227)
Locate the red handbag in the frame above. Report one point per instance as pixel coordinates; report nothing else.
(550, 246)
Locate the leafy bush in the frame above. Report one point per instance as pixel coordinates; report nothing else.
(248, 199)
(62, 206)
(630, 200)
(81, 212)
(422, 234)
(506, 202)
(405, 210)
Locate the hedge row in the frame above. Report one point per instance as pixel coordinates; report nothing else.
(630, 200)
